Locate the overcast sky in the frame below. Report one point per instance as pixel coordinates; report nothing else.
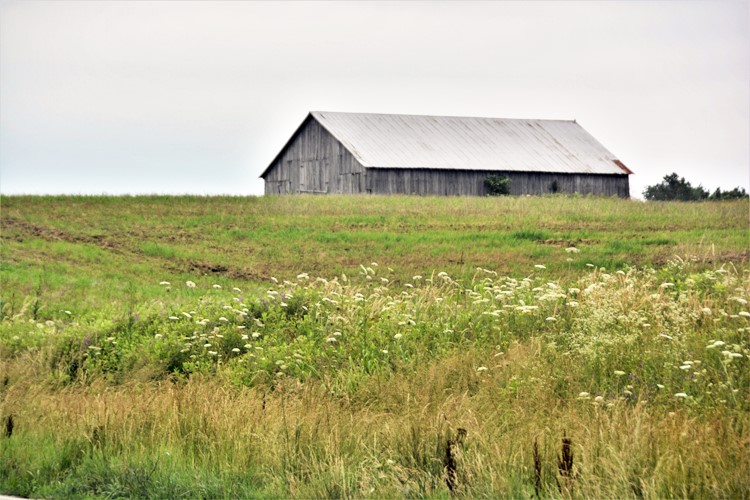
(198, 97)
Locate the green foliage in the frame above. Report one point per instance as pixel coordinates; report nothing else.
(497, 185)
(677, 188)
(244, 375)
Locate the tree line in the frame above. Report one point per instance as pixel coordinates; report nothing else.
(674, 187)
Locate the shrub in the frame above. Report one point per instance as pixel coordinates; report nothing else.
(497, 185)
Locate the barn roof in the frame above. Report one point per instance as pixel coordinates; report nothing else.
(465, 143)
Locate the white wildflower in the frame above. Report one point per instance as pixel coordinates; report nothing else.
(218, 287)
(540, 266)
(584, 395)
(164, 283)
(572, 250)
(681, 395)
(397, 336)
(482, 369)
(190, 284)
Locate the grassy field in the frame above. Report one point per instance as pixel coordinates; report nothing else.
(374, 346)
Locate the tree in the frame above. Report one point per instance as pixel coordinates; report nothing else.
(737, 193)
(674, 188)
(677, 188)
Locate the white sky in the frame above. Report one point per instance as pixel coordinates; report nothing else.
(198, 97)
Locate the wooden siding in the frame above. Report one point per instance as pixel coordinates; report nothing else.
(315, 162)
(471, 183)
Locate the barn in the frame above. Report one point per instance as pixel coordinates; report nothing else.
(442, 155)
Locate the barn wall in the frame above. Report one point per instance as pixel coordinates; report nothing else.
(315, 162)
(471, 183)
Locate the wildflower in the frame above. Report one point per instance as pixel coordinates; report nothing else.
(67, 312)
(665, 336)
(331, 340)
(283, 304)
(619, 373)
(666, 285)
(303, 276)
(660, 386)
(573, 303)
(384, 351)
(584, 395)
(540, 266)
(164, 283)
(627, 393)
(551, 318)
(572, 250)
(236, 290)
(706, 310)
(223, 319)
(744, 314)
(599, 399)
(212, 353)
(218, 287)
(158, 336)
(337, 334)
(187, 315)
(173, 317)
(482, 369)
(681, 395)
(255, 335)
(190, 284)
(207, 345)
(236, 349)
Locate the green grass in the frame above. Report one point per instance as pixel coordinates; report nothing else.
(334, 346)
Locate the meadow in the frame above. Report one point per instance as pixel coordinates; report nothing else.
(374, 346)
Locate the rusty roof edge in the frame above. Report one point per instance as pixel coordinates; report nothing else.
(623, 167)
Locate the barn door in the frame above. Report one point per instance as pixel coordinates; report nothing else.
(302, 178)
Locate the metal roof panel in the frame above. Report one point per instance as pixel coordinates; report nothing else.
(465, 143)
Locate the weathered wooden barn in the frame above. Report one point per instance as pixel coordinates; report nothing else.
(442, 155)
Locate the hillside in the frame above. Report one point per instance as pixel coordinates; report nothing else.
(165, 347)
(81, 251)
